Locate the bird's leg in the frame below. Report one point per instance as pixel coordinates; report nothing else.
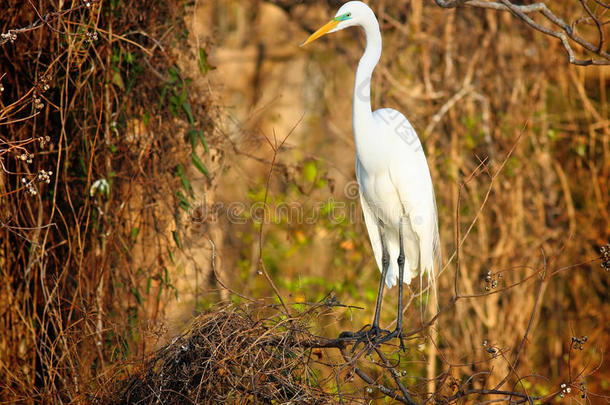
(385, 264)
(374, 331)
(401, 265)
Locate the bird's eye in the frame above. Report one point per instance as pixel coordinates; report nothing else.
(349, 14)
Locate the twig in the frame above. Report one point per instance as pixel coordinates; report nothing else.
(527, 331)
(276, 148)
(369, 380)
(566, 32)
(400, 385)
(463, 394)
(217, 277)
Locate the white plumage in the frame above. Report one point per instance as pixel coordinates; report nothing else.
(394, 182)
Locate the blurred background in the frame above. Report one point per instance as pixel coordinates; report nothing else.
(186, 141)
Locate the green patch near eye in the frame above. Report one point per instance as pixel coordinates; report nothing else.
(343, 17)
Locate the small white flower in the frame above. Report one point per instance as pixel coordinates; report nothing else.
(99, 186)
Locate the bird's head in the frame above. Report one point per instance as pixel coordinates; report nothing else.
(350, 14)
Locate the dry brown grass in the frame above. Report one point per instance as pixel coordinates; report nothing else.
(231, 355)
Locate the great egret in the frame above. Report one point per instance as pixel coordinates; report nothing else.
(394, 181)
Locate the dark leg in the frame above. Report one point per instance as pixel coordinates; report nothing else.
(385, 264)
(401, 266)
(374, 331)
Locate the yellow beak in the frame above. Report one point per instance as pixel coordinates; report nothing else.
(322, 31)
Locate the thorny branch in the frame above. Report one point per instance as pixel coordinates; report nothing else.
(562, 30)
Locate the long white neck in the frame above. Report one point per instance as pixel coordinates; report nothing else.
(362, 111)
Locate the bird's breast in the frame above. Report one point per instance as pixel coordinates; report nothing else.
(381, 195)
(372, 150)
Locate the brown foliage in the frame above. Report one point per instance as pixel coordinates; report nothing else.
(87, 165)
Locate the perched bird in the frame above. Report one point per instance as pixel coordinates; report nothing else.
(394, 181)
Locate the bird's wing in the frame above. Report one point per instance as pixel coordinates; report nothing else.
(410, 175)
(370, 220)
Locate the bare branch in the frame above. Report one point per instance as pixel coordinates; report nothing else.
(564, 34)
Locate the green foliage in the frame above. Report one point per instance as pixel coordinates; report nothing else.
(183, 201)
(474, 133)
(174, 94)
(199, 165)
(290, 236)
(177, 239)
(310, 171)
(202, 63)
(186, 184)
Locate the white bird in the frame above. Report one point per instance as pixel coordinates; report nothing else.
(394, 181)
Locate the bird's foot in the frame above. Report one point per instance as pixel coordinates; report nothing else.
(371, 337)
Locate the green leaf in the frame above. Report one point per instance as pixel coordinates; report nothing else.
(174, 75)
(171, 256)
(204, 65)
(183, 202)
(173, 103)
(177, 239)
(203, 142)
(130, 58)
(310, 171)
(183, 179)
(199, 165)
(118, 80)
(146, 118)
(183, 96)
(134, 232)
(192, 134)
(195, 134)
(162, 96)
(136, 294)
(189, 112)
